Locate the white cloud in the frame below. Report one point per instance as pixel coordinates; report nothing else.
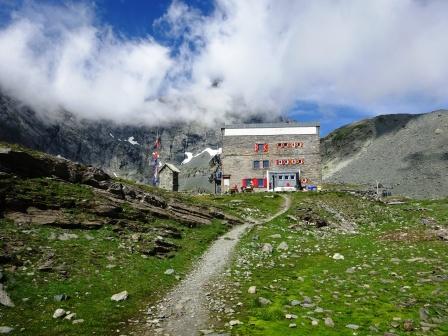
(248, 56)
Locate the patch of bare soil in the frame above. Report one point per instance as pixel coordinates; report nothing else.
(410, 235)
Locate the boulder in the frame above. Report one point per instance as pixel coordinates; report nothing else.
(338, 256)
(120, 296)
(283, 246)
(5, 300)
(58, 313)
(5, 330)
(263, 301)
(267, 248)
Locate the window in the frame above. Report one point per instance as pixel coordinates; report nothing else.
(260, 183)
(261, 147)
(256, 164)
(292, 177)
(265, 163)
(280, 177)
(286, 177)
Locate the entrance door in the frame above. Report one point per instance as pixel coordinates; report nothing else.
(284, 181)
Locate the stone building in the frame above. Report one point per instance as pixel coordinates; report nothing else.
(271, 157)
(169, 177)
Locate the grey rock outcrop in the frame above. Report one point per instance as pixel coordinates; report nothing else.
(26, 164)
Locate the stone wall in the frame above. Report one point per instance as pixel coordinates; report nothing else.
(169, 180)
(239, 153)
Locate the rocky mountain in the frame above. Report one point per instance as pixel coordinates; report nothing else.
(197, 171)
(121, 150)
(407, 154)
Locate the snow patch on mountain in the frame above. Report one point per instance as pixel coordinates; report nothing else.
(211, 152)
(188, 158)
(132, 141)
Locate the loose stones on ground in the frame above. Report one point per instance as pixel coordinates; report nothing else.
(235, 322)
(352, 326)
(5, 330)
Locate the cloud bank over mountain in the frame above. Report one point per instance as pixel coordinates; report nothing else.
(254, 56)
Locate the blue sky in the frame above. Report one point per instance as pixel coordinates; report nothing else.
(134, 18)
(155, 62)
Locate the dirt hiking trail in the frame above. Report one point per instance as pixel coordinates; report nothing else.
(183, 311)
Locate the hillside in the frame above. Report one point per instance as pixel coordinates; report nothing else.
(339, 265)
(71, 236)
(121, 150)
(82, 253)
(407, 154)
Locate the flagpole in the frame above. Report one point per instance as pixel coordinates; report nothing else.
(155, 160)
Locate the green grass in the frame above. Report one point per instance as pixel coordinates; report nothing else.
(343, 132)
(81, 265)
(246, 205)
(393, 279)
(48, 192)
(90, 283)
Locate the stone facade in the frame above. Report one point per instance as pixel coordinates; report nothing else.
(169, 177)
(277, 153)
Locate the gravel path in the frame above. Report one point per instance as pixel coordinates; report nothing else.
(183, 311)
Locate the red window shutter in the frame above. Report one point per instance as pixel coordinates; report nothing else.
(243, 183)
(256, 147)
(265, 182)
(255, 182)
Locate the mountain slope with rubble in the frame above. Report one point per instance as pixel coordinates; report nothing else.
(407, 154)
(82, 252)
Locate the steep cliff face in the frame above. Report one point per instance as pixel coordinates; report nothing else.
(120, 150)
(406, 153)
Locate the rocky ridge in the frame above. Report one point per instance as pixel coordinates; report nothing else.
(407, 154)
(111, 203)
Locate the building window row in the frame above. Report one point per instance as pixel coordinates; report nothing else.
(254, 183)
(259, 164)
(289, 162)
(290, 145)
(264, 147)
(286, 177)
